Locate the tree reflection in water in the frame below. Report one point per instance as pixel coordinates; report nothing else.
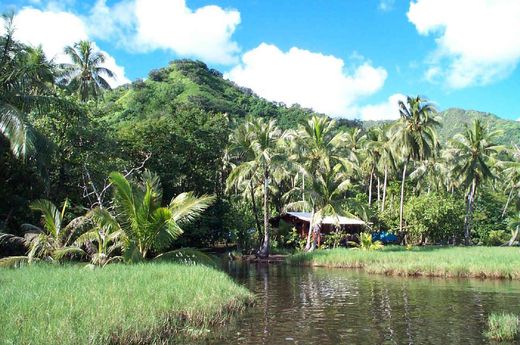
(333, 306)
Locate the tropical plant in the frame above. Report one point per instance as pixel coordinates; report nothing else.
(325, 196)
(106, 236)
(54, 240)
(86, 75)
(26, 81)
(367, 243)
(415, 136)
(514, 225)
(259, 143)
(145, 223)
(474, 152)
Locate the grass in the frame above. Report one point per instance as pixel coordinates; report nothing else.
(119, 304)
(502, 327)
(464, 262)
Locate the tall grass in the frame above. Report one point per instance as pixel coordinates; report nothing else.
(119, 304)
(502, 327)
(467, 262)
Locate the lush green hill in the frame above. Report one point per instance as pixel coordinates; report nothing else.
(454, 120)
(187, 83)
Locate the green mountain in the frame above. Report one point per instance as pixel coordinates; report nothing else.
(187, 83)
(454, 120)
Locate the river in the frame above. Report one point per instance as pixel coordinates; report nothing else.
(298, 305)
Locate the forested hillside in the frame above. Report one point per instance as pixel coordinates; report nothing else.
(177, 123)
(454, 119)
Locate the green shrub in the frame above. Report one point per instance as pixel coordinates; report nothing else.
(496, 238)
(437, 218)
(502, 326)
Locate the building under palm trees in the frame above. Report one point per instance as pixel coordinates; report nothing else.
(302, 220)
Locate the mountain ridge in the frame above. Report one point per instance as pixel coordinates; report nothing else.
(192, 83)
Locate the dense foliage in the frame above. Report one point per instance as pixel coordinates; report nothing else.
(61, 138)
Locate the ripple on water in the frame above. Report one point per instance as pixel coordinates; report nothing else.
(332, 306)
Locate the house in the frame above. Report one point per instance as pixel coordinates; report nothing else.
(301, 221)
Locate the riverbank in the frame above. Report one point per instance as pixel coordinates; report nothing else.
(462, 262)
(121, 304)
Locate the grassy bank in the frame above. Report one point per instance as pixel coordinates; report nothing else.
(118, 304)
(477, 262)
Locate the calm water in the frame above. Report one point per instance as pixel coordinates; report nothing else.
(334, 306)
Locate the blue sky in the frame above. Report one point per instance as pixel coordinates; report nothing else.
(344, 58)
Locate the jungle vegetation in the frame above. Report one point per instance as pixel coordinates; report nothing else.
(97, 174)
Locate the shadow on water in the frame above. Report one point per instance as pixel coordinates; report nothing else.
(298, 305)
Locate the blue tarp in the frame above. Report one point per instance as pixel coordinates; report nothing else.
(384, 237)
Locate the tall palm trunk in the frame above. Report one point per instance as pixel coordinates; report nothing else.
(469, 212)
(401, 207)
(508, 201)
(255, 210)
(370, 187)
(378, 189)
(384, 189)
(309, 232)
(264, 250)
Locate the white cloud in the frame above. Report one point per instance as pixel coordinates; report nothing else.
(147, 25)
(54, 30)
(205, 32)
(388, 110)
(307, 78)
(478, 41)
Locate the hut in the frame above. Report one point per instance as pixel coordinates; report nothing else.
(301, 221)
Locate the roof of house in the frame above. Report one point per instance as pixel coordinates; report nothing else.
(306, 216)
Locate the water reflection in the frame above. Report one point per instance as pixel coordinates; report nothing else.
(333, 306)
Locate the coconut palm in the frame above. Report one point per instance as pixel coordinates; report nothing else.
(386, 162)
(86, 75)
(320, 143)
(145, 223)
(106, 236)
(512, 175)
(261, 161)
(325, 196)
(415, 136)
(53, 240)
(26, 83)
(474, 151)
(244, 176)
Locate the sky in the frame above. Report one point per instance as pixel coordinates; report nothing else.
(345, 58)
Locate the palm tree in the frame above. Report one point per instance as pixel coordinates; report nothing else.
(325, 196)
(85, 75)
(106, 235)
(26, 84)
(474, 152)
(244, 176)
(512, 175)
(262, 160)
(386, 162)
(146, 224)
(53, 240)
(415, 136)
(320, 143)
